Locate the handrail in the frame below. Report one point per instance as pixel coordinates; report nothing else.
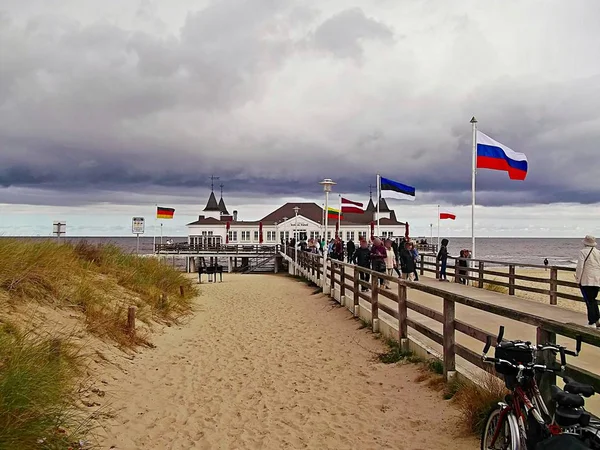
(219, 248)
(339, 273)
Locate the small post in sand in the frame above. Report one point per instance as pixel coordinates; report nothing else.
(131, 320)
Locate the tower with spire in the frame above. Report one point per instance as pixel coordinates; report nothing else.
(222, 206)
(212, 208)
(371, 206)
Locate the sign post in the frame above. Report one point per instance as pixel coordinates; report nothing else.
(59, 227)
(137, 227)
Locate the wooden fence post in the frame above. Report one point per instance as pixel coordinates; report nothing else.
(355, 291)
(545, 380)
(332, 274)
(375, 304)
(553, 285)
(449, 340)
(181, 291)
(481, 268)
(131, 320)
(511, 279)
(422, 268)
(402, 315)
(342, 283)
(456, 270)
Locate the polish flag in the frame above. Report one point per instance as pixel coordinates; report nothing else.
(447, 216)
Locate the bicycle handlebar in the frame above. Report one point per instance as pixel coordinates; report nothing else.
(538, 367)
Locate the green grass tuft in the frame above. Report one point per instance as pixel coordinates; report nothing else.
(436, 366)
(37, 390)
(394, 354)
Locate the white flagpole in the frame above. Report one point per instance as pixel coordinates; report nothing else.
(161, 224)
(474, 126)
(378, 202)
(340, 218)
(438, 227)
(154, 238)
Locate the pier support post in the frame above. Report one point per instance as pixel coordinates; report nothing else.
(553, 285)
(375, 303)
(229, 267)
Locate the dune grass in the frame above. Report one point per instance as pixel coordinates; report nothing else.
(40, 375)
(38, 384)
(99, 281)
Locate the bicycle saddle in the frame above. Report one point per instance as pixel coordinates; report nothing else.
(565, 399)
(573, 387)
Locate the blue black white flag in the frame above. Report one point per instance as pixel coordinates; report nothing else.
(393, 189)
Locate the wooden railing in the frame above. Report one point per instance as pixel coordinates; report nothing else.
(348, 280)
(484, 273)
(184, 247)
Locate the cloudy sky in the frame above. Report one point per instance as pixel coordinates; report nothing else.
(107, 108)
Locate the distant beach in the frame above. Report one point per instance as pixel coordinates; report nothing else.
(559, 251)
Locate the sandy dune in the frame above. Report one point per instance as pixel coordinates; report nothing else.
(286, 370)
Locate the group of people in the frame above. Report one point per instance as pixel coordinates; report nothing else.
(385, 256)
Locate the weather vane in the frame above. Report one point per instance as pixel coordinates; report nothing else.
(221, 186)
(371, 191)
(212, 182)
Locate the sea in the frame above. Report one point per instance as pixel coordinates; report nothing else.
(559, 251)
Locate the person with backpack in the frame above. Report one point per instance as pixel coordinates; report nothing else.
(587, 276)
(362, 258)
(442, 257)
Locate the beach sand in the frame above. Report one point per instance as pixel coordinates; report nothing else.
(264, 364)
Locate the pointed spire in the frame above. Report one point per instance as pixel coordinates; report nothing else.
(212, 204)
(222, 206)
(383, 207)
(371, 206)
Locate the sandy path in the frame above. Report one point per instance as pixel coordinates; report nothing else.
(285, 370)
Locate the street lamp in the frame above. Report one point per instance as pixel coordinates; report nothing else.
(283, 220)
(296, 209)
(326, 183)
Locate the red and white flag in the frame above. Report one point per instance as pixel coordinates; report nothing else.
(447, 216)
(348, 206)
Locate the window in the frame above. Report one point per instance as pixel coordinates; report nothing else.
(362, 234)
(390, 234)
(256, 236)
(271, 236)
(204, 233)
(349, 235)
(384, 234)
(329, 235)
(210, 233)
(313, 235)
(245, 236)
(232, 236)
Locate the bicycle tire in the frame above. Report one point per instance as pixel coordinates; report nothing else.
(510, 425)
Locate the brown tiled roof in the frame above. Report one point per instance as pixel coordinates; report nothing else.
(314, 212)
(212, 204)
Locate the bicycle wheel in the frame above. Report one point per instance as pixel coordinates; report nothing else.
(508, 431)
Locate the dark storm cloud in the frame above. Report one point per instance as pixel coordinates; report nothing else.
(273, 96)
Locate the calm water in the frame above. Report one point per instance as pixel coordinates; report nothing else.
(560, 252)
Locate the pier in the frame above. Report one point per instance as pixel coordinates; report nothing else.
(452, 321)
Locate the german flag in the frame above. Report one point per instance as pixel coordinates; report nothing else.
(164, 213)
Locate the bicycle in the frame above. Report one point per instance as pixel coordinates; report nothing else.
(523, 419)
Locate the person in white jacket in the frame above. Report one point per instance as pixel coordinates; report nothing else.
(587, 276)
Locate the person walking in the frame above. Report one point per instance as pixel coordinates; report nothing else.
(587, 276)
(390, 261)
(350, 248)
(415, 255)
(362, 258)
(546, 263)
(407, 262)
(378, 255)
(442, 257)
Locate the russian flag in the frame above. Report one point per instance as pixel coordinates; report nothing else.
(493, 155)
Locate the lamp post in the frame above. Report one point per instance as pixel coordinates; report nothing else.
(326, 183)
(296, 209)
(431, 232)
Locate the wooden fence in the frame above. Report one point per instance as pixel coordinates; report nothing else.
(185, 248)
(349, 279)
(482, 272)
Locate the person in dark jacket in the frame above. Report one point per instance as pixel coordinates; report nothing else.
(407, 263)
(362, 258)
(350, 248)
(338, 249)
(396, 249)
(442, 257)
(462, 264)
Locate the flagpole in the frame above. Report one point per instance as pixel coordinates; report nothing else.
(438, 244)
(154, 238)
(474, 173)
(378, 202)
(161, 224)
(340, 217)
